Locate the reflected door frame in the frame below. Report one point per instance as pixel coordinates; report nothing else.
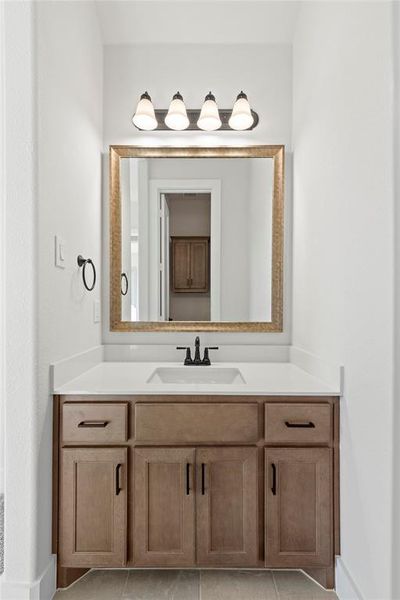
(197, 186)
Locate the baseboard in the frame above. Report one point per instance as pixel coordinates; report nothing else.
(43, 588)
(333, 375)
(346, 588)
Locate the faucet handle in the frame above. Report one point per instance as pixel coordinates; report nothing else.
(206, 359)
(188, 358)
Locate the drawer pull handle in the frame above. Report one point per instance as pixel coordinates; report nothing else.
(203, 479)
(309, 425)
(118, 488)
(93, 424)
(187, 479)
(273, 487)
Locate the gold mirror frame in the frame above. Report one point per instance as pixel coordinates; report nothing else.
(277, 153)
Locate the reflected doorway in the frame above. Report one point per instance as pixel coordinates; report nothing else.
(185, 238)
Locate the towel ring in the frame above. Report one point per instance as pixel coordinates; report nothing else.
(83, 262)
(124, 277)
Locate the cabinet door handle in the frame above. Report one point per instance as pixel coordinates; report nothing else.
(203, 479)
(118, 487)
(273, 487)
(309, 424)
(187, 479)
(93, 424)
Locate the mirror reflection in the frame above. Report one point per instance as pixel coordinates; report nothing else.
(196, 239)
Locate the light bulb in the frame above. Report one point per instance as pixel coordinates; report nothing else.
(144, 117)
(241, 117)
(209, 119)
(177, 118)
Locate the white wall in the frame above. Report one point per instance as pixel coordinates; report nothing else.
(54, 142)
(259, 225)
(263, 71)
(20, 343)
(396, 415)
(343, 269)
(69, 58)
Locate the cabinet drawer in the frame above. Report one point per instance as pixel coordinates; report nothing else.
(298, 423)
(94, 423)
(196, 423)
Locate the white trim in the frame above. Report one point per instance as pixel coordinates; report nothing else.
(200, 186)
(346, 588)
(43, 588)
(332, 375)
(65, 370)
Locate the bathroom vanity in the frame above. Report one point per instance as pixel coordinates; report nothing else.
(196, 479)
(218, 466)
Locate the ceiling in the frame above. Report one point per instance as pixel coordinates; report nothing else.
(197, 21)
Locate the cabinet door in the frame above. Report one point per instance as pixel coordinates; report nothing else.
(227, 518)
(180, 265)
(93, 500)
(298, 497)
(164, 507)
(199, 266)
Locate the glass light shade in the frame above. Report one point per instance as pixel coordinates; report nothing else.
(144, 117)
(241, 117)
(177, 118)
(209, 119)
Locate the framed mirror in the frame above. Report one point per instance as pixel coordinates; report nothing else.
(196, 238)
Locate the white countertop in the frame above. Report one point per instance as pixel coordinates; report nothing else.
(129, 378)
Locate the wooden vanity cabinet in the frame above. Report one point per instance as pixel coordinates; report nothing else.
(298, 507)
(192, 481)
(93, 507)
(208, 491)
(190, 264)
(226, 507)
(164, 505)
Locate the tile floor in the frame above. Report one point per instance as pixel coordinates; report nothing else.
(194, 585)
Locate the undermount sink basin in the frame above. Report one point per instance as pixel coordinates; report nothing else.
(196, 375)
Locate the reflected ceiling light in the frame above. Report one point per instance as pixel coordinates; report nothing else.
(144, 117)
(209, 119)
(241, 117)
(177, 118)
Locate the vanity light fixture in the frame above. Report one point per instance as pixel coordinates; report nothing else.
(177, 118)
(209, 119)
(144, 117)
(241, 117)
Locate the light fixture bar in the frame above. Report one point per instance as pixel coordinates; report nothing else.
(193, 116)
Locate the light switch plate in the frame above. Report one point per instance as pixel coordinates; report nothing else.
(60, 252)
(96, 311)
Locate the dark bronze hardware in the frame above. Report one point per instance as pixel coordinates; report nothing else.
(203, 479)
(188, 359)
(124, 277)
(93, 423)
(308, 425)
(83, 262)
(197, 361)
(187, 479)
(206, 358)
(273, 487)
(118, 487)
